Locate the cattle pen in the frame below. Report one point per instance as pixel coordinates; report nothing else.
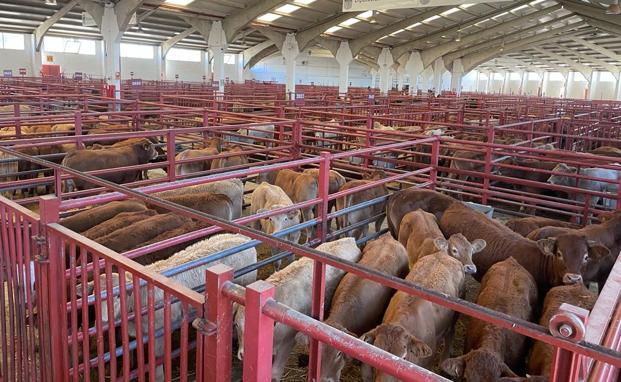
(52, 327)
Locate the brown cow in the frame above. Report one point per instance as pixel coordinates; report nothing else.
(89, 218)
(536, 257)
(336, 182)
(412, 327)
(239, 159)
(122, 220)
(214, 204)
(420, 234)
(591, 251)
(212, 148)
(90, 160)
(607, 151)
(490, 352)
(531, 170)
(358, 303)
(360, 215)
(524, 226)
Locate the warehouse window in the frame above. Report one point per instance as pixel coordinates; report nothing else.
(11, 41)
(137, 51)
(229, 59)
(69, 45)
(606, 77)
(188, 55)
(556, 76)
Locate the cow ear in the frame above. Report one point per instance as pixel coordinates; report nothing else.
(454, 366)
(418, 348)
(441, 243)
(547, 246)
(597, 250)
(293, 214)
(478, 245)
(369, 337)
(146, 145)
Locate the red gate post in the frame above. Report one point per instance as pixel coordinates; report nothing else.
(488, 164)
(259, 333)
(78, 130)
(297, 139)
(18, 123)
(51, 306)
(219, 315)
(435, 160)
(570, 324)
(170, 155)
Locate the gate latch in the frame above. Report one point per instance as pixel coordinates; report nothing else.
(205, 327)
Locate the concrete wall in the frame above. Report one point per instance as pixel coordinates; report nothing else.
(15, 59)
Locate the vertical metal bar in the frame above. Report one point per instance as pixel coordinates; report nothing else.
(124, 324)
(78, 130)
(297, 139)
(435, 160)
(167, 337)
(85, 323)
(18, 123)
(488, 164)
(259, 329)
(567, 366)
(170, 155)
(219, 311)
(138, 325)
(58, 185)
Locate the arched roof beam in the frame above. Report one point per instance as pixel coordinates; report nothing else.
(168, 44)
(585, 70)
(202, 26)
(473, 60)
(261, 55)
(585, 57)
(42, 29)
(597, 48)
(234, 23)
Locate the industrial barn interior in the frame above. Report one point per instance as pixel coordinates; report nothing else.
(310, 190)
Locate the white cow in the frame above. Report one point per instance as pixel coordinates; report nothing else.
(293, 285)
(587, 184)
(268, 197)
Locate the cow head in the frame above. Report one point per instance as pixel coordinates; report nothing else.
(460, 248)
(572, 253)
(279, 222)
(146, 148)
(332, 360)
(562, 179)
(374, 175)
(396, 340)
(478, 365)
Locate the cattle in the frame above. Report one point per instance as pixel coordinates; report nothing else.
(214, 204)
(212, 148)
(257, 135)
(365, 213)
(122, 220)
(90, 160)
(591, 250)
(232, 188)
(607, 151)
(411, 199)
(420, 234)
(191, 278)
(570, 180)
(336, 182)
(540, 360)
(358, 303)
(525, 226)
(236, 159)
(8, 171)
(89, 218)
(291, 288)
(490, 352)
(536, 257)
(268, 197)
(414, 328)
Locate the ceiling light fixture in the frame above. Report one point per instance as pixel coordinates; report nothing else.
(614, 8)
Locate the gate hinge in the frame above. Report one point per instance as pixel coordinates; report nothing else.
(205, 327)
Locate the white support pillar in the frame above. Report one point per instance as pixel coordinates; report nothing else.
(290, 52)
(344, 57)
(373, 78)
(414, 68)
(618, 91)
(239, 68)
(385, 62)
(217, 45)
(593, 82)
(476, 87)
(544, 84)
(400, 70)
(505, 82)
(569, 80)
(207, 66)
(457, 74)
(160, 60)
(36, 59)
(438, 70)
(523, 82)
(490, 77)
(112, 47)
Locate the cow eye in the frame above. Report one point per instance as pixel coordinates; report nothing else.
(559, 254)
(585, 258)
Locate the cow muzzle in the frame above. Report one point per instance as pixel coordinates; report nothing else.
(572, 278)
(470, 269)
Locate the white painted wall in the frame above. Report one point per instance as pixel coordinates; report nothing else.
(145, 69)
(72, 62)
(16, 59)
(320, 70)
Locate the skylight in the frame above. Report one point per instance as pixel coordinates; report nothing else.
(305, 2)
(333, 29)
(466, 6)
(431, 18)
(349, 22)
(366, 15)
(520, 8)
(179, 2)
(268, 17)
(287, 8)
(414, 25)
(450, 11)
(536, 2)
(397, 32)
